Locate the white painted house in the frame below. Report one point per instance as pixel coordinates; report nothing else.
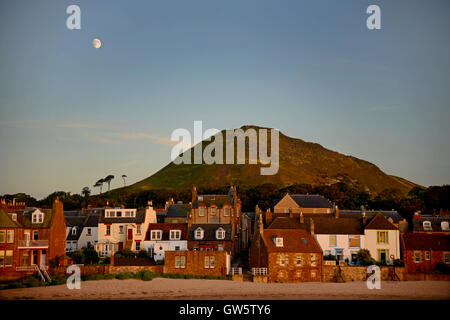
(382, 239)
(121, 228)
(162, 237)
(81, 231)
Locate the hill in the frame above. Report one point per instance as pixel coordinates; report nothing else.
(301, 162)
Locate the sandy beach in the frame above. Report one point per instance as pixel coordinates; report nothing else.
(176, 289)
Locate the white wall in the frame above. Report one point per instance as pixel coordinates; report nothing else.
(342, 242)
(393, 246)
(165, 245)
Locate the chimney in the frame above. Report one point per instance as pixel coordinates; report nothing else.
(261, 224)
(194, 194)
(149, 203)
(302, 220)
(268, 217)
(311, 226)
(336, 212)
(234, 196)
(364, 219)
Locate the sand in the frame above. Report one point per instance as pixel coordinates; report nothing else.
(176, 289)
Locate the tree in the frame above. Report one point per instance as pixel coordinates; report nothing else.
(86, 191)
(364, 258)
(90, 255)
(123, 177)
(99, 183)
(108, 180)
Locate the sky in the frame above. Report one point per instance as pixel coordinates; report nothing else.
(71, 114)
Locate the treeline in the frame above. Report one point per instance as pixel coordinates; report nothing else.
(426, 200)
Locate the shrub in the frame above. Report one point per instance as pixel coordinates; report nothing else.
(125, 275)
(364, 258)
(126, 253)
(143, 254)
(77, 257)
(146, 275)
(109, 276)
(442, 268)
(57, 280)
(399, 263)
(90, 255)
(329, 257)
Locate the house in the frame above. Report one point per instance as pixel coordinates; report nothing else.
(286, 255)
(393, 216)
(29, 239)
(218, 219)
(81, 231)
(382, 239)
(202, 263)
(431, 224)
(210, 237)
(305, 203)
(162, 237)
(422, 251)
(121, 228)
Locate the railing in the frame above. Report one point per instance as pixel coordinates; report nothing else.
(33, 243)
(259, 271)
(31, 268)
(236, 271)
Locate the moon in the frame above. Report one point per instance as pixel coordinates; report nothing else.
(96, 43)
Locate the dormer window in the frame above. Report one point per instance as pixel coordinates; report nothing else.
(227, 211)
(14, 217)
(37, 217)
(444, 226)
(220, 233)
(175, 234)
(156, 234)
(427, 226)
(74, 231)
(213, 211)
(198, 233)
(201, 211)
(278, 241)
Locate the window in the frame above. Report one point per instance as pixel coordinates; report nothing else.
(220, 247)
(138, 245)
(444, 226)
(227, 211)
(151, 251)
(313, 274)
(127, 213)
(199, 233)
(210, 262)
(121, 229)
(213, 211)
(108, 230)
(220, 234)
(427, 226)
(353, 241)
(26, 236)
(332, 241)
(180, 262)
(10, 236)
(427, 255)
(298, 273)
(74, 231)
(89, 232)
(201, 211)
(25, 258)
(382, 237)
(37, 217)
(2, 236)
(9, 258)
(447, 257)
(417, 257)
(138, 229)
(175, 234)
(156, 235)
(177, 248)
(282, 274)
(278, 241)
(2, 258)
(119, 214)
(313, 260)
(282, 261)
(35, 235)
(14, 217)
(299, 259)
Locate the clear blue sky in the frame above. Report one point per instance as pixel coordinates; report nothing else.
(71, 114)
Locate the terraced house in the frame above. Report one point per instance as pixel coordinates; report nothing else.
(29, 239)
(285, 253)
(121, 228)
(82, 229)
(162, 237)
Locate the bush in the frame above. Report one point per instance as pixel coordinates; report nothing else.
(143, 254)
(77, 257)
(146, 275)
(364, 258)
(442, 268)
(57, 280)
(106, 260)
(399, 263)
(329, 257)
(90, 255)
(109, 276)
(125, 253)
(125, 275)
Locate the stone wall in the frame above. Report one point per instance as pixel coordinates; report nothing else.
(356, 273)
(134, 269)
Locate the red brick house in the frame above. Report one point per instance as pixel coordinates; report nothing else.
(287, 255)
(421, 251)
(30, 238)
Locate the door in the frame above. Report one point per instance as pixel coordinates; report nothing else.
(130, 234)
(120, 246)
(35, 257)
(43, 256)
(383, 256)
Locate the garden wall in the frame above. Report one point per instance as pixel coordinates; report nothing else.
(356, 273)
